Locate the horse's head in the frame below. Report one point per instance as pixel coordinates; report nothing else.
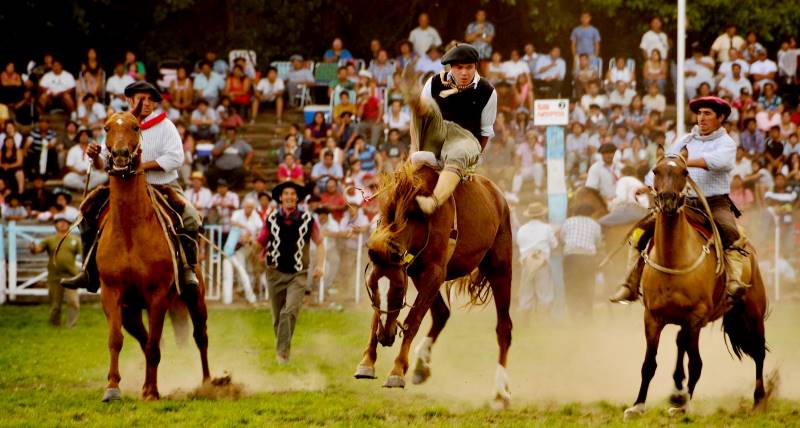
(401, 235)
(122, 142)
(670, 179)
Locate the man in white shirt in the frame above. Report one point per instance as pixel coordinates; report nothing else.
(199, 195)
(733, 58)
(763, 70)
(622, 95)
(550, 71)
(204, 122)
(78, 162)
(699, 70)
(269, 90)
(594, 97)
(535, 239)
(430, 62)
(90, 113)
(115, 87)
(57, 85)
(734, 84)
(514, 67)
(743, 166)
(248, 220)
(601, 176)
(424, 36)
(654, 39)
(727, 40)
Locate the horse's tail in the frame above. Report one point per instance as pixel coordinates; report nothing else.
(744, 322)
(476, 285)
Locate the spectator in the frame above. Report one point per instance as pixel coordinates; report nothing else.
(742, 166)
(198, 195)
(536, 240)
(247, 220)
(41, 150)
(393, 152)
(11, 159)
(699, 69)
(773, 152)
(430, 62)
(135, 67)
(115, 87)
(90, 112)
(232, 157)
(480, 34)
(340, 84)
(424, 36)
(619, 71)
(368, 158)
(752, 46)
(515, 67)
(725, 42)
(585, 38)
(602, 176)
(344, 105)
(223, 203)
(550, 72)
(61, 264)
(397, 118)
(521, 125)
(58, 86)
(769, 118)
(622, 95)
(61, 207)
(769, 100)
(635, 115)
(338, 154)
(204, 121)
(13, 210)
(787, 127)
(726, 68)
(10, 131)
(333, 200)
(325, 169)
(654, 39)
(299, 76)
(92, 78)
(381, 69)
(594, 97)
(375, 46)
(208, 84)
(78, 165)
(495, 70)
(752, 139)
(290, 170)
(237, 88)
(529, 164)
(337, 52)
(655, 71)
(173, 114)
(741, 196)
(530, 56)
(259, 187)
(582, 237)
(181, 90)
(269, 90)
(11, 85)
(229, 115)
(762, 70)
(37, 198)
(596, 118)
(735, 83)
(345, 131)
(406, 54)
(369, 111)
(621, 138)
(585, 73)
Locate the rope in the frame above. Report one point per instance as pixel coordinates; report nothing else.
(706, 250)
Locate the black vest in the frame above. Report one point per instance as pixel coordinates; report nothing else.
(465, 107)
(287, 249)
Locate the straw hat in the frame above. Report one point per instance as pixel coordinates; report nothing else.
(535, 210)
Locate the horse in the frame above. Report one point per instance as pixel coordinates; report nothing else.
(680, 286)
(134, 262)
(407, 243)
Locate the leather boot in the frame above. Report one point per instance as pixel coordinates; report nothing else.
(734, 265)
(87, 278)
(629, 291)
(189, 243)
(445, 187)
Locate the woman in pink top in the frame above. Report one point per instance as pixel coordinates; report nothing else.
(741, 195)
(290, 170)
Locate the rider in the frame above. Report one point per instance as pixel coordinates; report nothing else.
(161, 157)
(453, 119)
(711, 155)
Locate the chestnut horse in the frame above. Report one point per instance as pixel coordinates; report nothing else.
(680, 286)
(134, 262)
(408, 243)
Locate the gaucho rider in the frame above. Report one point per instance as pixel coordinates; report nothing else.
(161, 156)
(711, 156)
(453, 119)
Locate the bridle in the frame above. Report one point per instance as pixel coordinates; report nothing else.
(130, 170)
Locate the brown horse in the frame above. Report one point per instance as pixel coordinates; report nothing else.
(407, 243)
(134, 262)
(680, 286)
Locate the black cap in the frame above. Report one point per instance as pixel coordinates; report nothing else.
(463, 53)
(607, 148)
(142, 87)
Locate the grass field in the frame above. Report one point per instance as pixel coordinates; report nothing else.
(561, 375)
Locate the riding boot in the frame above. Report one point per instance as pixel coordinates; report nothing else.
(629, 291)
(445, 187)
(87, 278)
(189, 243)
(734, 266)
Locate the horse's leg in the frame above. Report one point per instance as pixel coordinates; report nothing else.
(500, 280)
(652, 332)
(439, 314)
(695, 362)
(132, 321)
(156, 314)
(196, 305)
(366, 368)
(112, 306)
(679, 399)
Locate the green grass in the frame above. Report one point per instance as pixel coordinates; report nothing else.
(56, 377)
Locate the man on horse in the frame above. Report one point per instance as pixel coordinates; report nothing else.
(453, 119)
(710, 155)
(161, 157)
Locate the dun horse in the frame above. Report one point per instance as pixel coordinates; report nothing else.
(134, 262)
(680, 286)
(407, 243)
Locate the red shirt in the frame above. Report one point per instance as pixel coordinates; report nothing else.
(371, 109)
(330, 201)
(285, 173)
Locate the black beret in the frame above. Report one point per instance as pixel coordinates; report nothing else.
(142, 87)
(463, 53)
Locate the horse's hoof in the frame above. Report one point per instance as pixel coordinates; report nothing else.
(394, 381)
(421, 373)
(500, 403)
(151, 397)
(112, 394)
(365, 372)
(634, 412)
(677, 411)
(678, 398)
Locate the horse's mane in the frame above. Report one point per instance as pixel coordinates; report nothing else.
(397, 192)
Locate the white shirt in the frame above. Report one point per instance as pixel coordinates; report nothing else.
(725, 68)
(626, 192)
(98, 112)
(269, 90)
(602, 178)
(57, 83)
(489, 113)
(424, 39)
(623, 74)
(599, 99)
(657, 103)
(536, 235)
(734, 86)
(743, 168)
(512, 69)
(251, 224)
(763, 67)
(201, 199)
(402, 122)
(724, 43)
(559, 71)
(116, 84)
(77, 158)
(652, 40)
(624, 99)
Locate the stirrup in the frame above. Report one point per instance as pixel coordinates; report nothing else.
(190, 277)
(624, 295)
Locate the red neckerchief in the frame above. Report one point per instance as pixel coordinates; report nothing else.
(149, 123)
